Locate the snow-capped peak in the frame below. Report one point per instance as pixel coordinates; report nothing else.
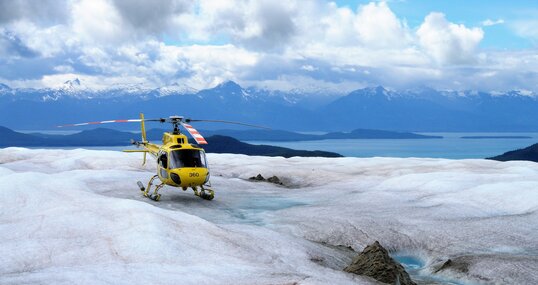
(176, 89)
(229, 84)
(71, 88)
(73, 84)
(229, 89)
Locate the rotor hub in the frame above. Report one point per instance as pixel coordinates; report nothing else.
(176, 121)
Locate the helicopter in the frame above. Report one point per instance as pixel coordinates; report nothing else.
(179, 163)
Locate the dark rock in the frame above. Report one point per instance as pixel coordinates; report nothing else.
(444, 266)
(274, 180)
(258, 177)
(459, 265)
(374, 261)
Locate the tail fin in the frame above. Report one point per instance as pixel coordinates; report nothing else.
(143, 133)
(143, 127)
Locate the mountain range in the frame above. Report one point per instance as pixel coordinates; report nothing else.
(419, 110)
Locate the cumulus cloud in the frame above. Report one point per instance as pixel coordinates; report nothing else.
(258, 25)
(448, 42)
(151, 16)
(377, 26)
(44, 11)
(204, 42)
(96, 22)
(273, 29)
(11, 45)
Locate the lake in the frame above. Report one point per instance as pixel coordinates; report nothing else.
(450, 146)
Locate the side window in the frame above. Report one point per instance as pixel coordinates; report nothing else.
(163, 160)
(164, 173)
(203, 159)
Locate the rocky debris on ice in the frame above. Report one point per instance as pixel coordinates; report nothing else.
(465, 266)
(374, 261)
(273, 179)
(461, 266)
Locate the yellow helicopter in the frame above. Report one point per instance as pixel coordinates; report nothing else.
(179, 163)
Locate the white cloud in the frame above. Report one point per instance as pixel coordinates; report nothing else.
(154, 17)
(203, 42)
(46, 41)
(373, 26)
(64, 69)
(309, 67)
(526, 29)
(377, 26)
(489, 22)
(259, 25)
(97, 21)
(44, 12)
(446, 42)
(214, 64)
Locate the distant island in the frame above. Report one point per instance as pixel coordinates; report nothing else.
(529, 153)
(224, 144)
(496, 137)
(287, 136)
(108, 137)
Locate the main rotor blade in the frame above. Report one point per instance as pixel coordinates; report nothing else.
(112, 121)
(227, 122)
(194, 133)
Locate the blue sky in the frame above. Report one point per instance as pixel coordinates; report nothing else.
(304, 44)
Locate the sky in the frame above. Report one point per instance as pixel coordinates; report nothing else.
(279, 45)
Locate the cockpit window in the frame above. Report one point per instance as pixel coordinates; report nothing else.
(187, 158)
(163, 160)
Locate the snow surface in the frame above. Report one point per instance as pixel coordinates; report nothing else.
(77, 217)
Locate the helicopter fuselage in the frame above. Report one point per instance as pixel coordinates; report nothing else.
(179, 163)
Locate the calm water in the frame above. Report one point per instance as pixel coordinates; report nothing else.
(450, 146)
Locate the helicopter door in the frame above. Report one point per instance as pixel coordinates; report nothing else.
(162, 161)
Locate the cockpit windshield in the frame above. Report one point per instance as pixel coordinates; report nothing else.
(187, 158)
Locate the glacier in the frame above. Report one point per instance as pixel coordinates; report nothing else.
(77, 217)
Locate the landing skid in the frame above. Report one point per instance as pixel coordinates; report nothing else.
(155, 196)
(204, 193)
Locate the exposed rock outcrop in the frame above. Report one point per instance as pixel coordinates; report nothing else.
(258, 177)
(274, 179)
(374, 261)
(460, 265)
